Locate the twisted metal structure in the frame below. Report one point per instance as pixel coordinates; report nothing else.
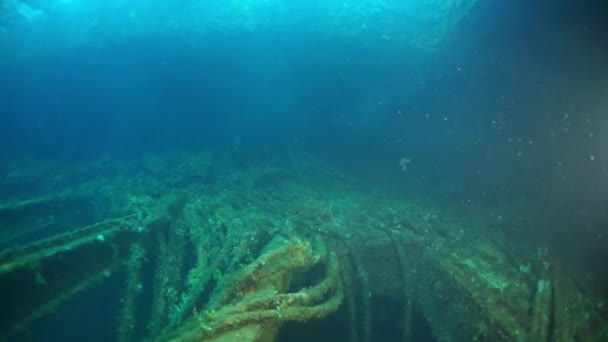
(206, 264)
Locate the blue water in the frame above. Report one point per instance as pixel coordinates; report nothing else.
(498, 104)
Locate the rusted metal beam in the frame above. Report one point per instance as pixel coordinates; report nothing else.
(36, 278)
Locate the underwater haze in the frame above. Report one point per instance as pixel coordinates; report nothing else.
(493, 113)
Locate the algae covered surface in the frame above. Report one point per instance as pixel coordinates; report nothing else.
(273, 170)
